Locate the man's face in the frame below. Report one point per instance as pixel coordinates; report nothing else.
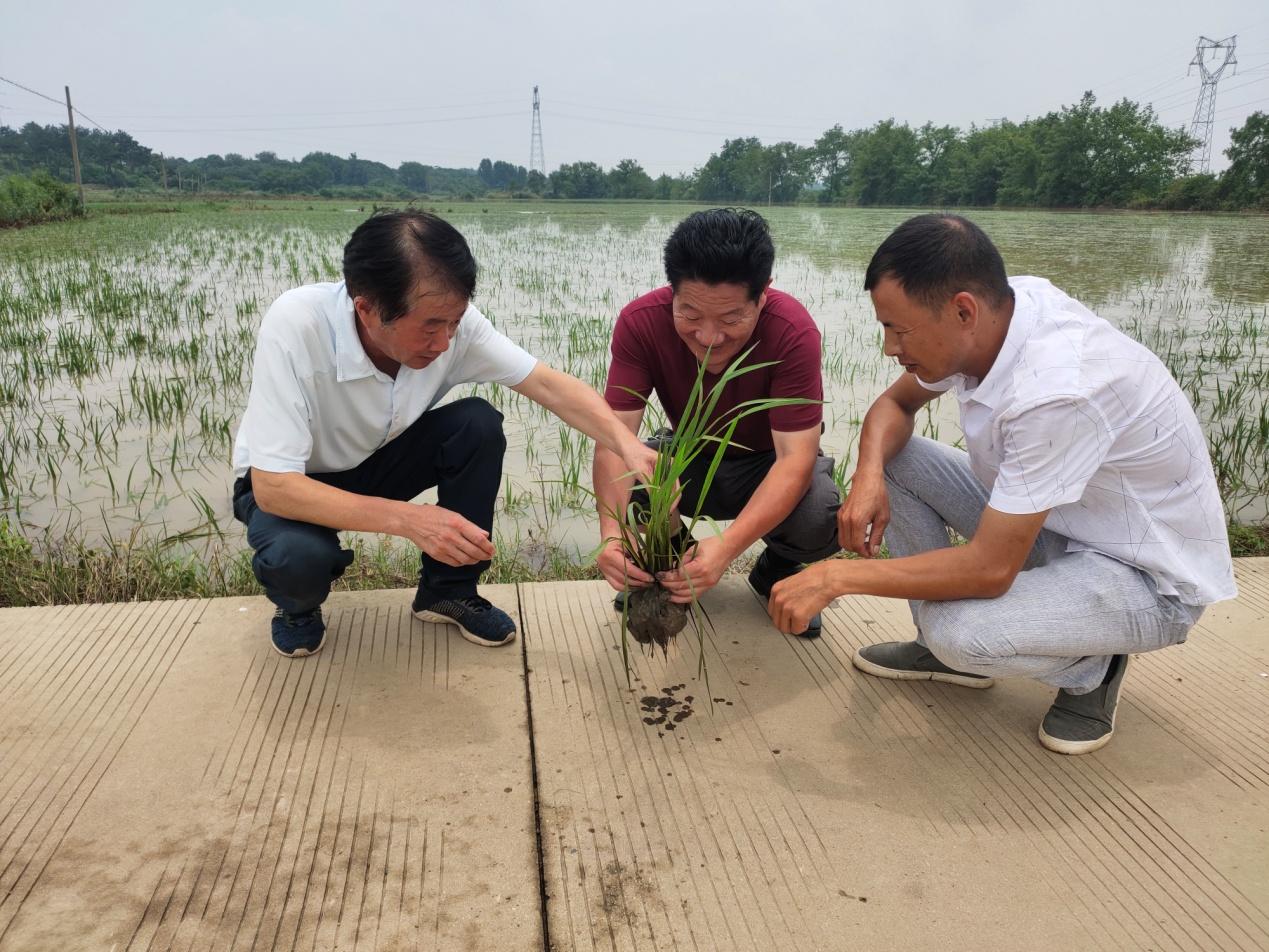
(715, 318)
(420, 335)
(929, 342)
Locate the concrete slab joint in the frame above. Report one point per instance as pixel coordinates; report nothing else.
(169, 782)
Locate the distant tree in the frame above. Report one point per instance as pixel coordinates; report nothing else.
(886, 165)
(1246, 181)
(578, 180)
(484, 172)
(1193, 193)
(830, 161)
(627, 179)
(733, 173)
(413, 175)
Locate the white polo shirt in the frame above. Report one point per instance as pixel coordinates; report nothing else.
(318, 404)
(1080, 420)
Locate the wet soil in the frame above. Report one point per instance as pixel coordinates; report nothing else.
(664, 710)
(652, 618)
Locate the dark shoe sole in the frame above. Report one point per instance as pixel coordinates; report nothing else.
(1073, 748)
(299, 652)
(471, 636)
(897, 674)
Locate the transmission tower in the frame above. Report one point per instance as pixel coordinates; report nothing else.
(537, 162)
(1205, 56)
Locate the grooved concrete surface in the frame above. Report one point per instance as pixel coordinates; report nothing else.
(168, 782)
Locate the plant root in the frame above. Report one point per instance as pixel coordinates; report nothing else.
(652, 618)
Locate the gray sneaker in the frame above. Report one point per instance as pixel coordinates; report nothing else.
(912, 661)
(1082, 723)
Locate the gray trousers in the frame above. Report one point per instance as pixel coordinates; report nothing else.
(1064, 616)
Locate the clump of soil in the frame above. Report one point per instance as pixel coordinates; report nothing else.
(652, 618)
(660, 710)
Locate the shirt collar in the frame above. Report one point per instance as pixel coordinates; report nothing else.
(991, 388)
(351, 361)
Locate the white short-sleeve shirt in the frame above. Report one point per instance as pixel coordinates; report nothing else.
(1077, 419)
(319, 405)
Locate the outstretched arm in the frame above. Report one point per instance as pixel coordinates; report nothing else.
(984, 568)
(583, 409)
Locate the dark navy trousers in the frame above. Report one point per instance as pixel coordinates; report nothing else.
(457, 448)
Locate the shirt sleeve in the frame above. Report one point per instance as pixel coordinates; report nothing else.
(1050, 451)
(489, 356)
(629, 369)
(798, 375)
(277, 423)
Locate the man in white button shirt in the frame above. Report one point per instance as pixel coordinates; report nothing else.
(1095, 529)
(342, 428)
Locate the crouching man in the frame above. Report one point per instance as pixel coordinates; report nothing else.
(342, 428)
(1087, 494)
(773, 484)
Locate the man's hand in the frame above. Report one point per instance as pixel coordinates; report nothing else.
(863, 517)
(700, 572)
(620, 572)
(795, 599)
(446, 536)
(640, 460)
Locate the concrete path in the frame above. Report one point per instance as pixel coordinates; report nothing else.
(168, 782)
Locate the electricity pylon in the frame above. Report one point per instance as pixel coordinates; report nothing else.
(1205, 108)
(537, 162)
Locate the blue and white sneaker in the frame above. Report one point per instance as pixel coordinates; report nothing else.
(479, 621)
(299, 635)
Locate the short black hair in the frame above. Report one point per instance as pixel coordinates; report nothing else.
(391, 250)
(934, 257)
(721, 246)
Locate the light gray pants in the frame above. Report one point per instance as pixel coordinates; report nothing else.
(1064, 616)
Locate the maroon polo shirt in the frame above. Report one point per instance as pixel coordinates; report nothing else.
(647, 356)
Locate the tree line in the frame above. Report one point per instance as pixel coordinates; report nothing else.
(1081, 156)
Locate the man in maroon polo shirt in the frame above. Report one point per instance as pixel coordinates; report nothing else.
(773, 484)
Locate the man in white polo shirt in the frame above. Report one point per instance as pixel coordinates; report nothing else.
(1087, 494)
(342, 428)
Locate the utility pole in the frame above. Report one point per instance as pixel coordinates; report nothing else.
(1205, 108)
(70, 117)
(536, 159)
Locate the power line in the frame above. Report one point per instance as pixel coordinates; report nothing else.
(324, 112)
(1224, 113)
(51, 99)
(350, 125)
(715, 118)
(32, 91)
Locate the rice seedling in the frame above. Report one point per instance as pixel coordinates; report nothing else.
(650, 530)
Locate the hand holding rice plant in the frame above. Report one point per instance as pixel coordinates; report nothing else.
(651, 534)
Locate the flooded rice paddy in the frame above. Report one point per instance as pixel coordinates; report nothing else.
(126, 342)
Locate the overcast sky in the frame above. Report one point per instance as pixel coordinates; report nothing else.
(662, 82)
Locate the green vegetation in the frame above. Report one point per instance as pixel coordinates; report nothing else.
(30, 199)
(70, 571)
(1081, 156)
(126, 343)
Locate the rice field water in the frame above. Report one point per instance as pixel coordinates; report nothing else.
(126, 344)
